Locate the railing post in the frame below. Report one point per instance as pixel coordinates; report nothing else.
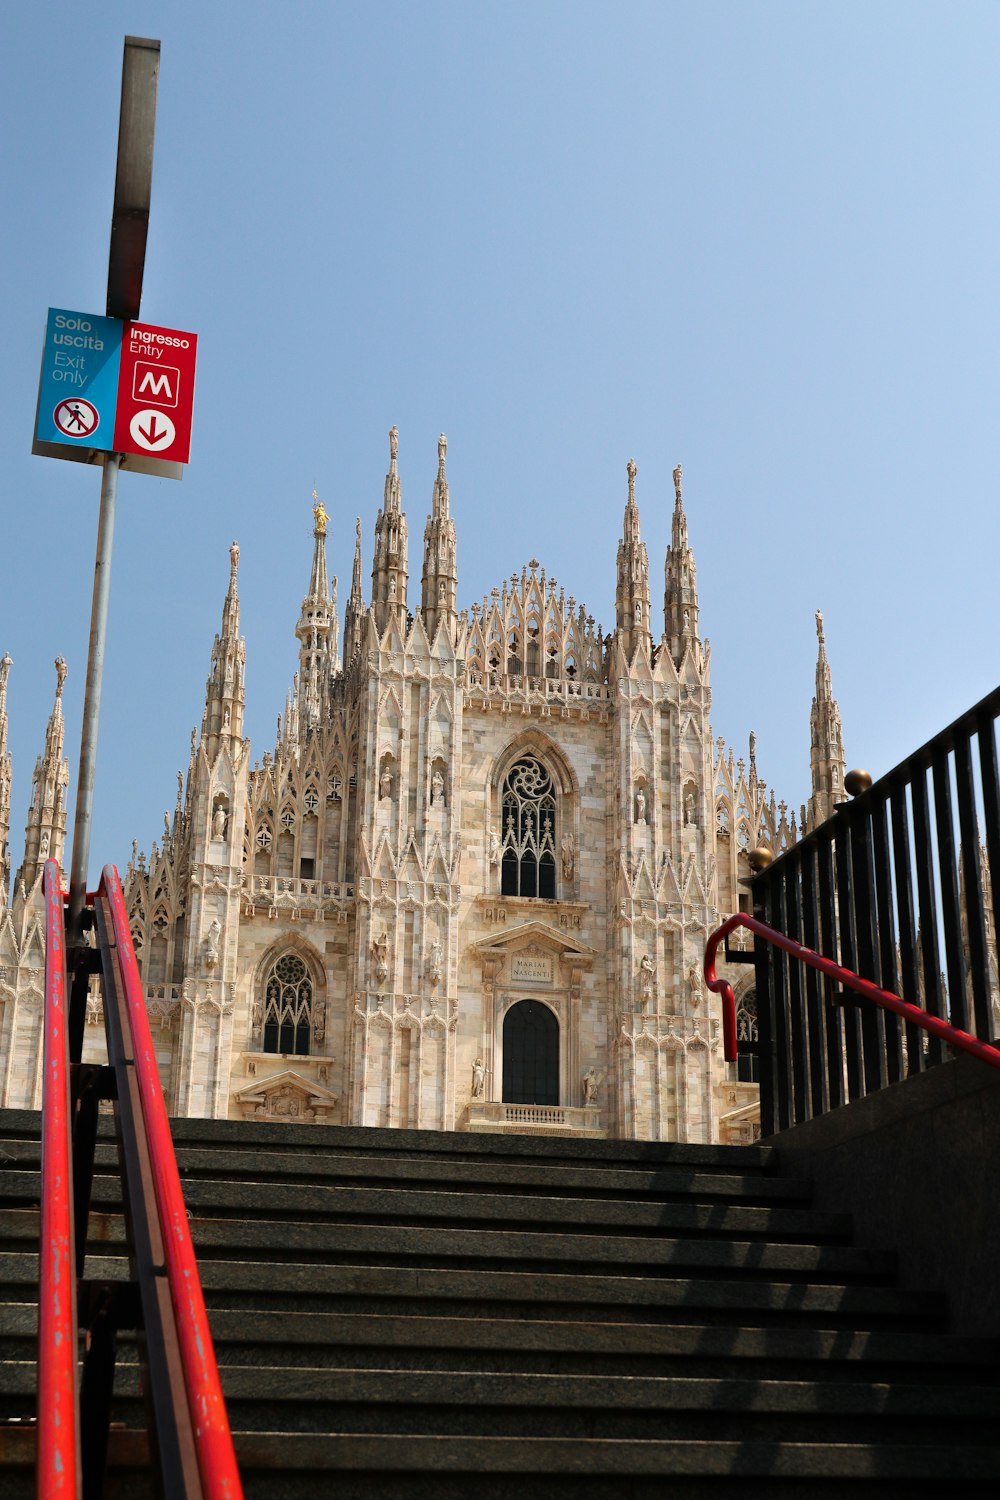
(846, 948)
(926, 908)
(861, 893)
(886, 928)
(973, 912)
(767, 1019)
(909, 957)
(828, 943)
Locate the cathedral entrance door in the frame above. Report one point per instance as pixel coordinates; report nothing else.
(530, 1054)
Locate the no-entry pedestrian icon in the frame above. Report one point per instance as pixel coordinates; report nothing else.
(76, 418)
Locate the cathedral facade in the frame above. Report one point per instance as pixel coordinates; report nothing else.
(470, 886)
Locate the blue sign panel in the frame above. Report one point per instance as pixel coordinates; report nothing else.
(78, 391)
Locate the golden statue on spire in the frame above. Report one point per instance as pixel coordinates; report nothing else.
(320, 515)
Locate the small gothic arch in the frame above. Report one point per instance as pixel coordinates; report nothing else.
(533, 665)
(263, 840)
(747, 1036)
(513, 654)
(155, 971)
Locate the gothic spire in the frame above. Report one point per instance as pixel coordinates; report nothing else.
(354, 613)
(680, 598)
(45, 831)
(224, 691)
(826, 741)
(316, 630)
(389, 569)
(440, 577)
(5, 779)
(632, 590)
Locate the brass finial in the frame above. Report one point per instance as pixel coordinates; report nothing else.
(856, 782)
(320, 515)
(758, 859)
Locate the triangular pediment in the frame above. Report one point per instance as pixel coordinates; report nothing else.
(536, 935)
(286, 1096)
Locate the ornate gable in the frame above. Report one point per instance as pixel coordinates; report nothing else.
(287, 1098)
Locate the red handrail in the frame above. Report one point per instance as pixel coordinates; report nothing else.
(57, 1464)
(960, 1040)
(216, 1459)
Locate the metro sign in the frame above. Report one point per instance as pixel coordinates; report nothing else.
(160, 384)
(113, 387)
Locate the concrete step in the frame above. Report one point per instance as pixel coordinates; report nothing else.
(301, 1466)
(250, 1137)
(453, 1404)
(404, 1291)
(282, 1202)
(355, 1340)
(479, 1465)
(316, 1247)
(401, 1174)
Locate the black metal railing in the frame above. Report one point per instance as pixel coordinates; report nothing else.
(902, 886)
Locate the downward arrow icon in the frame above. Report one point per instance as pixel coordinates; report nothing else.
(152, 433)
(150, 430)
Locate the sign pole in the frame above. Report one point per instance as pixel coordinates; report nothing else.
(126, 258)
(92, 700)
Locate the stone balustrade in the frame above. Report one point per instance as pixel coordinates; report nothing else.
(489, 1116)
(295, 894)
(557, 690)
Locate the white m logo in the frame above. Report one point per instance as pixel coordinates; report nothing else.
(155, 381)
(158, 383)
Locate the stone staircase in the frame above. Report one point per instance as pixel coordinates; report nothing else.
(412, 1314)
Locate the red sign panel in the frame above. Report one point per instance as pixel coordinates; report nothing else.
(155, 392)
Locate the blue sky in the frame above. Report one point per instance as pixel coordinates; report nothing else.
(756, 240)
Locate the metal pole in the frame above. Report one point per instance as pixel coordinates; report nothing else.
(92, 701)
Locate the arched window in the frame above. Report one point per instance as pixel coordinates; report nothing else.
(288, 1006)
(528, 867)
(530, 1054)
